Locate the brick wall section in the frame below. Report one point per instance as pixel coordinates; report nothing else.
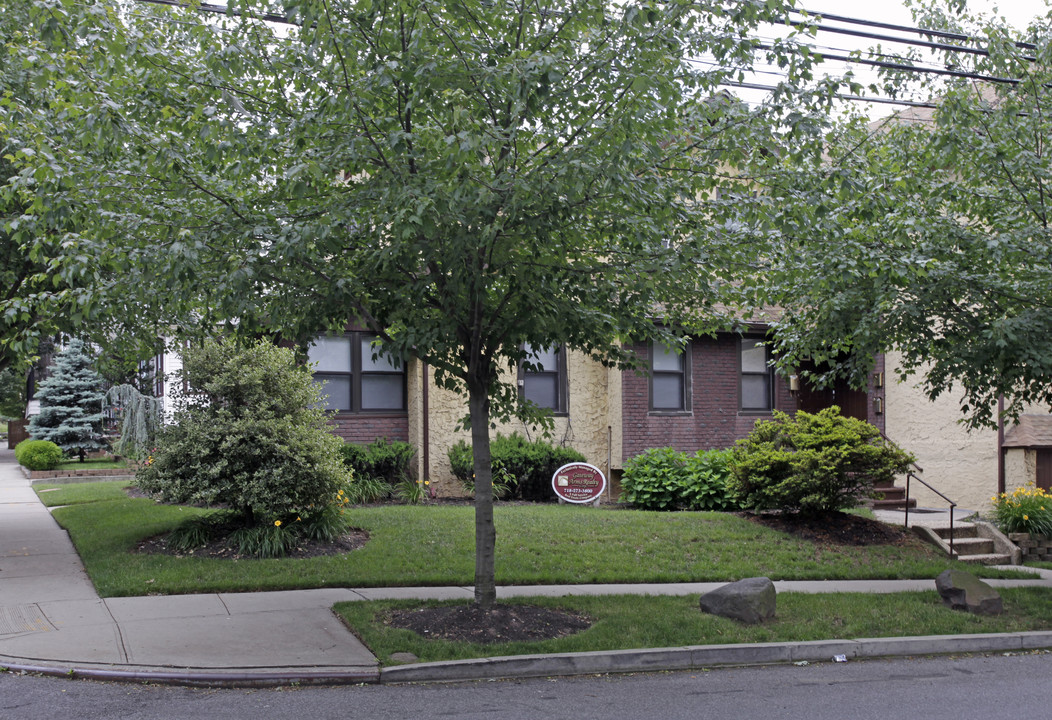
(363, 429)
(714, 420)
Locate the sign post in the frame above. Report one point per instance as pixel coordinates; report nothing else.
(579, 483)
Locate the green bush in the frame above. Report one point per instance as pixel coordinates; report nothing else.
(250, 436)
(668, 479)
(525, 468)
(382, 469)
(812, 464)
(38, 454)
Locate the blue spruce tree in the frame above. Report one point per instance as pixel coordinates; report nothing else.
(71, 403)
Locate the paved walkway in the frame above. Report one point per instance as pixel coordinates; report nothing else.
(53, 621)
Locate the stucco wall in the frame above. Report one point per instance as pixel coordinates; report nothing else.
(1020, 468)
(588, 426)
(960, 463)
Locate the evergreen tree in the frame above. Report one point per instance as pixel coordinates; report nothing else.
(71, 403)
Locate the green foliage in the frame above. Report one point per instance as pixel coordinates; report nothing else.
(140, 419)
(812, 464)
(667, 479)
(467, 177)
(1026, 510)
(381, 469)
(38, 454)
(522, 469)
(12, 394)
(249, 436)
(71, 403)
(927, 234)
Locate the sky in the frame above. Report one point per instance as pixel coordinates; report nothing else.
(1017, 12)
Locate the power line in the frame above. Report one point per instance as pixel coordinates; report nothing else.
(902, 28)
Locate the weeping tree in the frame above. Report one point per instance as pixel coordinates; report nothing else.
(140, 418)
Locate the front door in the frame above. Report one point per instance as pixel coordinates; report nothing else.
(852, 403)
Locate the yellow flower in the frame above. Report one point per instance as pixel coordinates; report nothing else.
(277, 523)
(1026, 517)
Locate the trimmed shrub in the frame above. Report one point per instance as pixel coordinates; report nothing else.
(525, 468)
(250, 436)
(654, 479)
(812, 464)
(668, 479)
(38, 454)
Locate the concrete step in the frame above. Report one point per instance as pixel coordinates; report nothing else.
(960, 531)
(972, 546)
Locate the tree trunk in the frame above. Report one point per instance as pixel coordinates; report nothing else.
(485, 532)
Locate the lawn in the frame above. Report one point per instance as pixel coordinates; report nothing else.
(434, 545)
(623, 622)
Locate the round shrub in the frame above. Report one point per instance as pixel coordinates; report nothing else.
(38, 454)
(668, 479)
(250, 436)
(654, 479)
(812, 464)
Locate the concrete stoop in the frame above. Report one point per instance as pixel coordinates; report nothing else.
(973, 542)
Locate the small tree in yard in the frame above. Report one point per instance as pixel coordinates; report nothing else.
(251, 436)
(71, 403)
(812, 464)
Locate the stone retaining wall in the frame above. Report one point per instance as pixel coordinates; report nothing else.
(1034, 547)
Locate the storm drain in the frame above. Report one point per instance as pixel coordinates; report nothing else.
(22, 619)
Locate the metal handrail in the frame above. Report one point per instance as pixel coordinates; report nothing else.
(911, 476)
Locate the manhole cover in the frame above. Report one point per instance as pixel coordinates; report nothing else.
(23, 618)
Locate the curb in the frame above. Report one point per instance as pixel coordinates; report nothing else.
(707, 656)
(698, 657)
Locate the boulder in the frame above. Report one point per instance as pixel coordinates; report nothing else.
(749, 601)
(963, 591)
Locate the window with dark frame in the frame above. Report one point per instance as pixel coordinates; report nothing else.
(546, 385)
(355, 376)
(757, 376)
(669, 380)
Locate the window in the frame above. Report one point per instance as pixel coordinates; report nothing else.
(669, 380)
(756, 376)
(546, 385)
(355, 376)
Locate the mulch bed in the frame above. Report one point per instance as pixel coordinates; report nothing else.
(834, 528)
(223, 548)
(502, 623)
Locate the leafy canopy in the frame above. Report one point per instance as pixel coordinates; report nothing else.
(926, 233)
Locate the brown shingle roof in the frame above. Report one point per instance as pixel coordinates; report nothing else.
(1033, 431)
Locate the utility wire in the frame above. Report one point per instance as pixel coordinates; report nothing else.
(901, 28)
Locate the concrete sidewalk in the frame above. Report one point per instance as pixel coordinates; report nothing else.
(53, 621)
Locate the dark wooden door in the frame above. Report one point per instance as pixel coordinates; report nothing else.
(1044, 469)
(852, 403)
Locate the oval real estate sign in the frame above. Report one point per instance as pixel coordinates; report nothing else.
(579, 482)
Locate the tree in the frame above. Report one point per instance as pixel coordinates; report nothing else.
(250, 436)
(465, 178)
(927, 233)
(70, 403)
(140, 419)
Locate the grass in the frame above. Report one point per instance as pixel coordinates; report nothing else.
(543, 544)
(624, 622)
(78, 493)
